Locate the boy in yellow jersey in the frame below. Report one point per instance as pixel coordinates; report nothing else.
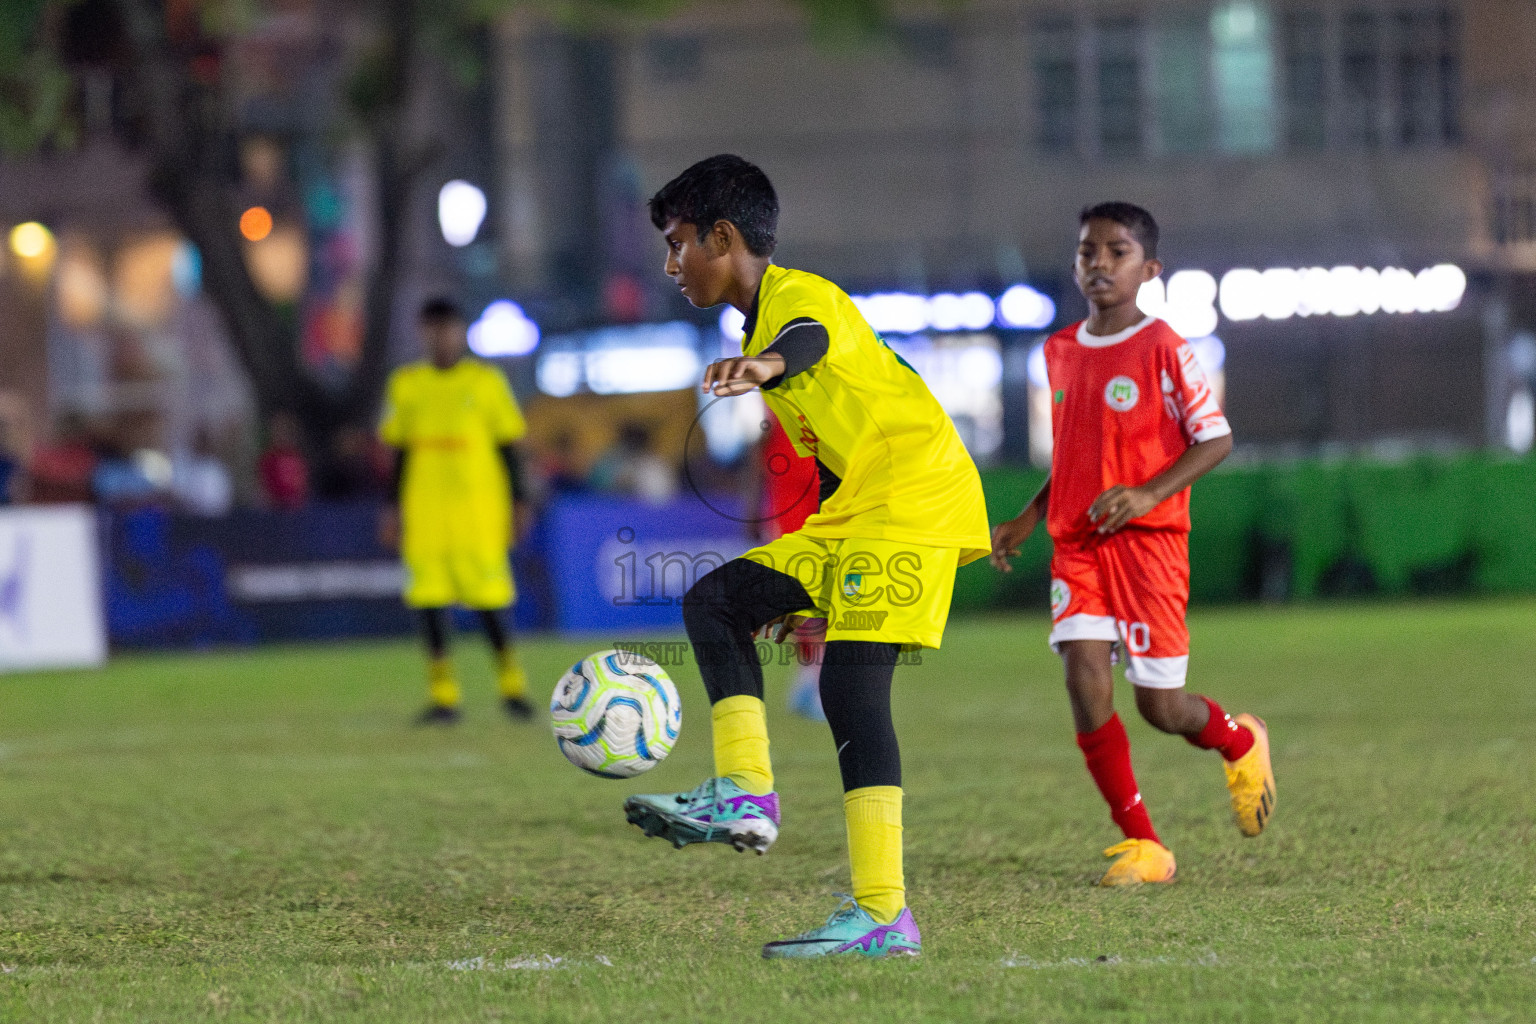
(901, 508)
(453, 422)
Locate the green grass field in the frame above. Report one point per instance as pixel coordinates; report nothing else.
(262, 836)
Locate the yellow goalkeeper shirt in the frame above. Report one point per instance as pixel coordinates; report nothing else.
(870, 419)
(450, 423)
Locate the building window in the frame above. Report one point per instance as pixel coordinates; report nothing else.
(1250, 76)
(1182, 73)
(1120, 117)
(1303, 36)
(1360, 74)
(1242, 64)
(1055, 46)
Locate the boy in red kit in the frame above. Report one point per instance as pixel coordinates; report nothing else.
(1135, 424)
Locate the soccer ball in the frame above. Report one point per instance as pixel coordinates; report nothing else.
(616, 714)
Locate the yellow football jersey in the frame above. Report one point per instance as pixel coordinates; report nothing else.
(455, 496)
(871, 420)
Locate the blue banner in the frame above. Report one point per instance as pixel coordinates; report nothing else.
(621, 567)
(173, 580)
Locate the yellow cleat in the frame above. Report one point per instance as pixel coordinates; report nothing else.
(1251, 780)
(1138, 861)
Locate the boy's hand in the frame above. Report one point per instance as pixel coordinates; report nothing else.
(780, 629)
(1119, 505)
(741, 374)
(1008, 537)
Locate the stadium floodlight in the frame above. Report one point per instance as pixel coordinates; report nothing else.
(1345, 290)
(1192, 321)
(732, 322)
(1316, 292)
(1370, 290)
(1023, 307)
(1397, 290)
(460, 212)
(1034, 367)
(1191, 303)
(503, 330)
(627, 371)
(559, 374)
(31, 240)
(1520, 422)
(1242, 294)
(980, 367)
(972, 311)
(977, 311)
(894, 312)
(1210, 353)
(944, 312)
(1441, 288)
(1281, 293)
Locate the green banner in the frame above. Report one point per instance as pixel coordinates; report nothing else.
(1318, 529)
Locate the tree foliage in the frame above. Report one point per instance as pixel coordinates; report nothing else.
(182, 116)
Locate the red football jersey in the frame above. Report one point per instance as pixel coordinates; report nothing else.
(1123, 409)
(791, 482)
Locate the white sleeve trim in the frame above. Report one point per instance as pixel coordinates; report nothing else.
(1212, 429)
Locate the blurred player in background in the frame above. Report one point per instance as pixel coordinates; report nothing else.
(1134, 424)
(789, 491)
(877, 561)
(453, 422)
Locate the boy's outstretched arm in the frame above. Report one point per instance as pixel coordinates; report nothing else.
(1007, 537)
(1120, 504)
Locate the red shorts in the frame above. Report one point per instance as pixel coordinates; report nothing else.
(1132, 588)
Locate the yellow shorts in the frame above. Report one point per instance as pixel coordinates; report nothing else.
(478, 580)
(883, 591)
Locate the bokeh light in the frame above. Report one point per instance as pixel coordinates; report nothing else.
(31, 240)
(256, 223)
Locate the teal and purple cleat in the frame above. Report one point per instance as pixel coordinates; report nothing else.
(851, 930)
(717, 811)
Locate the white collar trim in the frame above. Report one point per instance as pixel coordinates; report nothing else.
(1104, 341)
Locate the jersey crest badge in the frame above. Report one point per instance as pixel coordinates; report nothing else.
(1121, 394)
(1061, 596)
(851, 584)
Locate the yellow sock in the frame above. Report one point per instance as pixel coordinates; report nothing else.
(873, 814)
(741, 743)
(441, 686)
(510, 675)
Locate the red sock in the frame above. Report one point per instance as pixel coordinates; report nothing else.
(1108, 752)
(1223, 734)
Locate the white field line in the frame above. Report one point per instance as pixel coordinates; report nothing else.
(543, 962)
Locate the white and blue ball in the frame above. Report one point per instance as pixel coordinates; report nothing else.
(616, 714)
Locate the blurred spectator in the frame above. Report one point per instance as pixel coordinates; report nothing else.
(62, 470)
(629, 467)
(200, 481)
(10, 467)
(358, 466)
(560, 466)
(121, 479)
(283, 471)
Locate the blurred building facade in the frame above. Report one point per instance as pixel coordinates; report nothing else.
(955, 149)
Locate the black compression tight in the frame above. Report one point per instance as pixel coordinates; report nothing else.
(856, 695)
(722, 611)
(434, 628)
